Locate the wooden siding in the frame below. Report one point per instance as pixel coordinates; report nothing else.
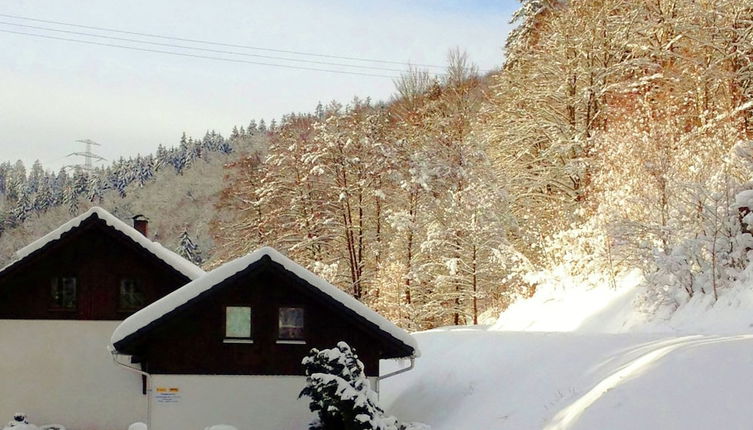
(192, 342)
(99, 257)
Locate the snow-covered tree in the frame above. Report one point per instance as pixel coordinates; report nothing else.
(188, 249)
(340, 394)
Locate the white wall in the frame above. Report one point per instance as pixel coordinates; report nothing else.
(61, 372)
(246, 402)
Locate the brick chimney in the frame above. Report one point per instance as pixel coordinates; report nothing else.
(141, 223)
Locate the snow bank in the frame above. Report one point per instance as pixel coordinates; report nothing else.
(472, 378)
(562, 304)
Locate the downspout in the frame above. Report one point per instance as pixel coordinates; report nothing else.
(114, 354)
(395, 373)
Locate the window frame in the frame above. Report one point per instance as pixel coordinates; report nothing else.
(228, 339)
(55, 282)
(139, 287)
(291, 340)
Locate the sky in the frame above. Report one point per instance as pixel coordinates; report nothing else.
(55, 92)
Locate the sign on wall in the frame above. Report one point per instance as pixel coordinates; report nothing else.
(167, 394)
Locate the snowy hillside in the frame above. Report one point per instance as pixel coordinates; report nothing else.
(588, 360)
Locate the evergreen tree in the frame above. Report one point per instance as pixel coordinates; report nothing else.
(43, 199)
(188, 249)
(5, 169)
(162, 158)
(224, 146)
(23, 207)
(340, 393)
(70, 199)
(96, 188)
(144, 169)
(61, 181)
(36, 176)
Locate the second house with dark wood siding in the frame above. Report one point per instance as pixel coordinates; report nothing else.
(228, 346)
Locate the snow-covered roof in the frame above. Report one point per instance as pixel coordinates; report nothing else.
(170, 258)
(148, 315)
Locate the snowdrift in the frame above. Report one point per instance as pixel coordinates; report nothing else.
(473, 378)
(562, 304)
(574, 357)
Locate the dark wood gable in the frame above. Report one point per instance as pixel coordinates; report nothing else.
(100, 259)
(192, 338)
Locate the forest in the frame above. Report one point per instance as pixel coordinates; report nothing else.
(616, 135)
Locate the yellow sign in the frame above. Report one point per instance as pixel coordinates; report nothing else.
(167, 390)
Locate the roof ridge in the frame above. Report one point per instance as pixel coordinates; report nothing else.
(169, 257)
(193, 290)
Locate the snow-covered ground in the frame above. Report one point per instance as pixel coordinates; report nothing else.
(588, 360)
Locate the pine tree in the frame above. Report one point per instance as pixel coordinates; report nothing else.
(70, 199)
(340, 393)
(144, 169)
(96, 188)
(5, 169)
(162, 158)
(188, 249)
(43, 199)
(23, 207)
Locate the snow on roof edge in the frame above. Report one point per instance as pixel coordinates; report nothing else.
(168, 257)
(190, 291)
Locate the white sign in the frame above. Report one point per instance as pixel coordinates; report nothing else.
(167, 395)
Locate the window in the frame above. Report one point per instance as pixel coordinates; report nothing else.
(291, 324)
(63, 293)
(238, 323)
(131, 295)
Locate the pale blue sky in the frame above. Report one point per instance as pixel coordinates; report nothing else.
(55, 92)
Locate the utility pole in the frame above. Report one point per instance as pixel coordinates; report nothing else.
(87, 155)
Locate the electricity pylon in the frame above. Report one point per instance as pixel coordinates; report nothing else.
(87, 155)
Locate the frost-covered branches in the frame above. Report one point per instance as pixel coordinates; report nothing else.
(380, 199)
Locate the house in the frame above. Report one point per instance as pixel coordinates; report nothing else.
(60, 299)
(227, 347)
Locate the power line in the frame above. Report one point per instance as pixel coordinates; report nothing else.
(230, 45)
(217, 51)
(206, 57)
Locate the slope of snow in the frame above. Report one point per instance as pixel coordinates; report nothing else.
(583, 356)
(562, 305)
(169, 257)
(472, 378)
(188, 292)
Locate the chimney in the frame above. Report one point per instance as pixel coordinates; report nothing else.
(141, 224)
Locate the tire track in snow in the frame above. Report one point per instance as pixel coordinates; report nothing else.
(566, 417)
